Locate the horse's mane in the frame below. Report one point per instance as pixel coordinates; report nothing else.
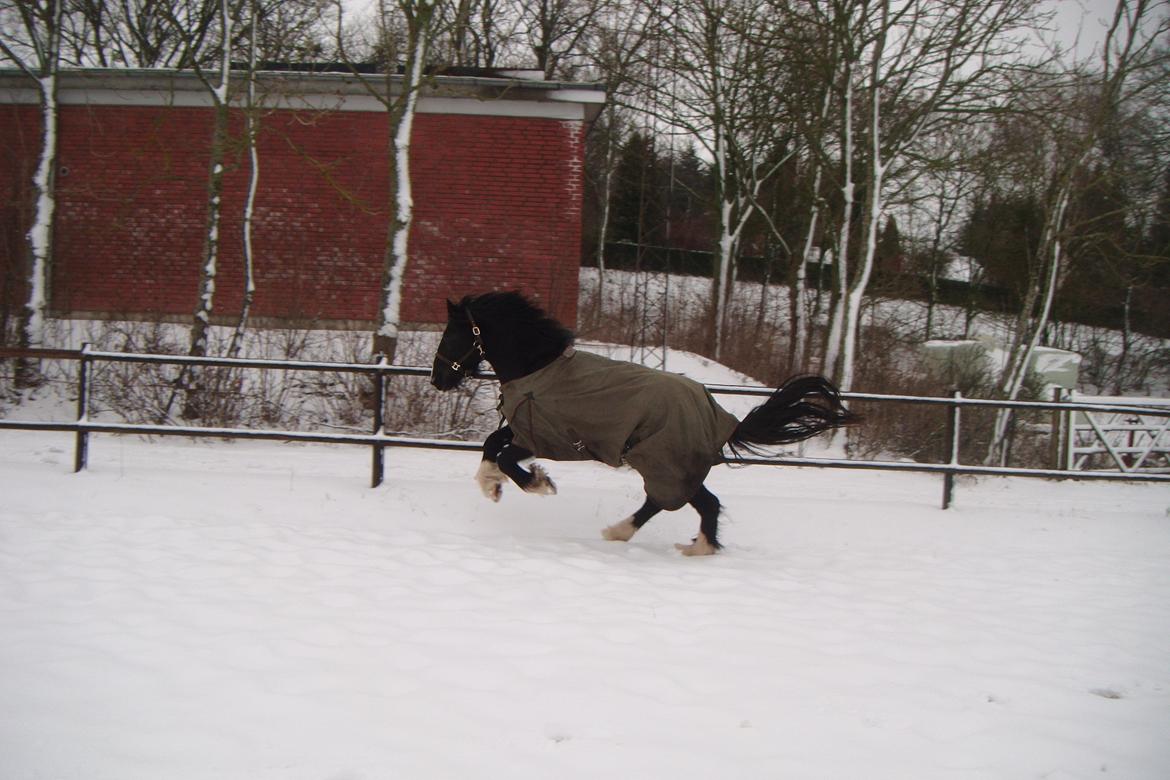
(514, 324)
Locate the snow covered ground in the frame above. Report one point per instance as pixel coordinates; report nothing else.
(211, 610)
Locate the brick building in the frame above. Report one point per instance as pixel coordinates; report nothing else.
(496, 171)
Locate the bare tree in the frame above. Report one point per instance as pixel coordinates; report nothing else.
(218, 88)
(623, 32)
(721, 87)
(146, 33)
(948, 183)
(1073, 114)
(182, 33)
(31, 40)
(923, 66)
(406, 29)
(251, 131)
(554, 30)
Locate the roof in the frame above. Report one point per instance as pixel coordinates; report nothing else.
(497, 92)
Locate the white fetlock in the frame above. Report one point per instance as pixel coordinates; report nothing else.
(620, 532)
(541, 485)
(490, 479)
(700, 546)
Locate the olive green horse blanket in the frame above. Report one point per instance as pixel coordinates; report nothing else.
(586, 407)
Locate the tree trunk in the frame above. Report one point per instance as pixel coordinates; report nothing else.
(190, 380)
(201, 325)
(40, 235)
(1026, 342)
(606, 192)
(251, 132)
(841, 255)
(401, 201)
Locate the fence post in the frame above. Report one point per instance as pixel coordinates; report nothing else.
(377, 470)
(81, 445)
(953, 426)
(1059, 430)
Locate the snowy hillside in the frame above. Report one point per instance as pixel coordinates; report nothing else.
(222, 611)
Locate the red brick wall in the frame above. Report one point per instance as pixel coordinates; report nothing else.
(497, 206)
(19, 136)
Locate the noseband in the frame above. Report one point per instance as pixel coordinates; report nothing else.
(476, 346)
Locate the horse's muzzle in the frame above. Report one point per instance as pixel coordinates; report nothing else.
(444, 379)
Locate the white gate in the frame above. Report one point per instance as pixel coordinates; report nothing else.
(1125, 441)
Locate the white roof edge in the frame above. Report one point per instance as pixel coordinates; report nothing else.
(471, 95)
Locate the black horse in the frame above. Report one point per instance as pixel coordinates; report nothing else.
(562, 404)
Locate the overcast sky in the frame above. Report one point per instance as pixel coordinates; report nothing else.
(1088, 19)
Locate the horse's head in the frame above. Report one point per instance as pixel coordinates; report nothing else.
(460, 350)
(523, 338)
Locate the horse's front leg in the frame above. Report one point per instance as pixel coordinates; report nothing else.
(502, 458)
(534, 480)
(489, 477)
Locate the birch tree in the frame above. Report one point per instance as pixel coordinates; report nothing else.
(409, 27)
(251, 132)
(905, 70)
(798, 353)
(31, 40)
(847, 29)
(218, 89)
(419, 16)
(812, 43)
(406, 30)
(720, 86)
(1133, 60)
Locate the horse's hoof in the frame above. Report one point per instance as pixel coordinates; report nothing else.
(620, 532)
(490, 480)
(700, 546)
(541, 485)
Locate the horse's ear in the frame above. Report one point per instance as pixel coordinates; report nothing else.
(451, 307)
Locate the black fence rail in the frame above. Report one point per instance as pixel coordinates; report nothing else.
(377, 440)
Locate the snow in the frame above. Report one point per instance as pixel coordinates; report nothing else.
(197, 610)
(204, 611)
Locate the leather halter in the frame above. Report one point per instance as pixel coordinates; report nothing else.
(476, 346)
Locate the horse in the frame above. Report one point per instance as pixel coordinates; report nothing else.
(562, 404)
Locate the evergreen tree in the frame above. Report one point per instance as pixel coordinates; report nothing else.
(890, 255)
(637, 214)
(1158, 241)
(1003, 234)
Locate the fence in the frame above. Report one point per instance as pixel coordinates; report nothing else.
(1135, 441)
(377, 440)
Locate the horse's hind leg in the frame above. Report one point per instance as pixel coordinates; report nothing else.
(625, 530)
(707, 541)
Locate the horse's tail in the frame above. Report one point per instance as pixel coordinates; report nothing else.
(801, 408)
